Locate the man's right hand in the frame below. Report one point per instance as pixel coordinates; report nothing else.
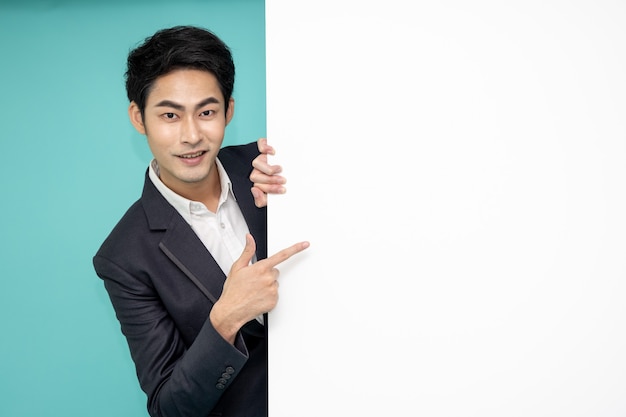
(250, 289)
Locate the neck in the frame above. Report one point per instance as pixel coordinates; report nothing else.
(207, 191)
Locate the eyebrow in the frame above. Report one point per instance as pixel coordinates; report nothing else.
(177, 106)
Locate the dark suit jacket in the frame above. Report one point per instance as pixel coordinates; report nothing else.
(163, 283)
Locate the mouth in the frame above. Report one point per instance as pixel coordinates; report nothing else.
(192, 155)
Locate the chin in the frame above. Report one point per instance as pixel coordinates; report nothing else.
(194, 179)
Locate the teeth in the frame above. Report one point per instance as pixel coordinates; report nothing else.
(193, 155)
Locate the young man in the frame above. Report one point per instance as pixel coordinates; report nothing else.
(186, 267)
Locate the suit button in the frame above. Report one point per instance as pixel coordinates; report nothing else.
(225, 375)
(230, 370)
(220, 386)
(222, 381)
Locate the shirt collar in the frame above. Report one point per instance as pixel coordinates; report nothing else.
(183, 205)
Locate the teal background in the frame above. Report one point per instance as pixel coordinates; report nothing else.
(70, 165)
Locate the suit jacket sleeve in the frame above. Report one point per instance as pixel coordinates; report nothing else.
(179, 381)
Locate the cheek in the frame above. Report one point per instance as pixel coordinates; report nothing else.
(215, 130)
(162, 134)
(159, 143)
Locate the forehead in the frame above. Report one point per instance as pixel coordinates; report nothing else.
(185, 86)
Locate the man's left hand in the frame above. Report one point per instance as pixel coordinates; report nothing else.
(265, 177)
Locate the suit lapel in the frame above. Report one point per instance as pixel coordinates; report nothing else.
(185, 249)
(255, 217)
(180, 244)
(237, 161)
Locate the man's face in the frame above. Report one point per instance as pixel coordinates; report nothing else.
(184, 121)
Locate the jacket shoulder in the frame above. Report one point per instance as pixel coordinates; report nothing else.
(239, 157)
(127, 236)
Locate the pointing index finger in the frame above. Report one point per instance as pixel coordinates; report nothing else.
(283, 255)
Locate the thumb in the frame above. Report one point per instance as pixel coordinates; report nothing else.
(247, 254)
(260, 200)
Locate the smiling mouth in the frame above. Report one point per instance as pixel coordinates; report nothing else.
(192, 155)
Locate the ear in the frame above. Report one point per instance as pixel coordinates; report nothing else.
(134, 113)
(231, 110)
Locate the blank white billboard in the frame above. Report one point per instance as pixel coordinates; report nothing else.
(460, 171)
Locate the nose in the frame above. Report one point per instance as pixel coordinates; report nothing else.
(190, 131)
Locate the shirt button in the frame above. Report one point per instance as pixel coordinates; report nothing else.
(222, 225)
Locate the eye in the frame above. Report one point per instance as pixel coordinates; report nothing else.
(207, 113)
(170, 116)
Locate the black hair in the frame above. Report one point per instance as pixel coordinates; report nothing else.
(178, 47)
